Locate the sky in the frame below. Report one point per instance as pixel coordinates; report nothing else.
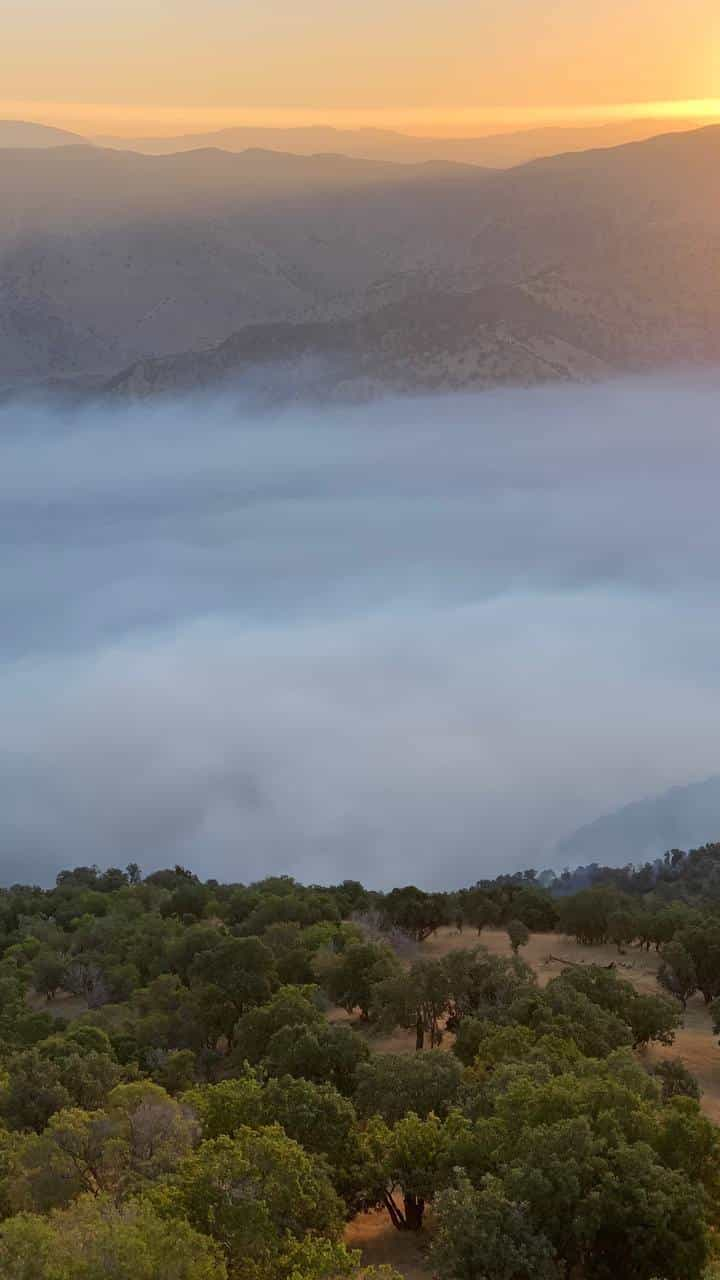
(453, 67)
(411, 641)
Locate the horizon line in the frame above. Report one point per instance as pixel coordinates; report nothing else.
(128, 119)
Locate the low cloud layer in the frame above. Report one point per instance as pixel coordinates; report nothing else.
(412, 641)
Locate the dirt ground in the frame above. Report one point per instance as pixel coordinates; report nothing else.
(65, 1005)
(382, 1246)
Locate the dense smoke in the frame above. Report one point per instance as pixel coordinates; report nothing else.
(409, 641)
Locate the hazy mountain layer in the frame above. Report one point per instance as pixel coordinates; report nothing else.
(501, 150)
(22, 133)
(419, 276)
(681, 818)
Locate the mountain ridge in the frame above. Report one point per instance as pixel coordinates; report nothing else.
(112, 258)
(502, 149)
(26, 134)
(680, 817)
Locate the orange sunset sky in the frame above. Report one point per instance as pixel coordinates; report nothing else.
(436, 66)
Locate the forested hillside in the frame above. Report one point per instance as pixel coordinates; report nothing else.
(196, 1083)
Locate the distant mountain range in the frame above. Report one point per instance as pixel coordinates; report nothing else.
(370, 274)
(681, 818)
(499, 150)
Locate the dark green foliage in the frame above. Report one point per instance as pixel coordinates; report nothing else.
(651, 1018)
(482, 1235)
(586, 916)
(414, 912)
(349, 977)
(289, 1007)
(536, 909)
(242, 969)
(391, 1085)
(676, 1081)
(677, 973)
(519, 935)
(48, 971)
(701, 942)
(323, 1054)
(438, 994)
(62, 1071)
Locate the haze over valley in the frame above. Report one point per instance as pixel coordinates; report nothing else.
(427, 638)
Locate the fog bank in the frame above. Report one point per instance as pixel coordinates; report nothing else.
(413, 641)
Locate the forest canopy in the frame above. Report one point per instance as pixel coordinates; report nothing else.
(194, 1083)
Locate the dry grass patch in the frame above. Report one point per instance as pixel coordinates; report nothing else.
(381, 1245)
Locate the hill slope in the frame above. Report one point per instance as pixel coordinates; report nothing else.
(22, 133)
(681, 818)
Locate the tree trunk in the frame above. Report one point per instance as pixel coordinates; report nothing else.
(419, 1034)
(395, 1215)
(414, 1210)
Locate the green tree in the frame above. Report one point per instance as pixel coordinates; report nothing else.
(254, 1193)
(391, 1085)
(561, 1010)
(586, 915)
(479, 910)
(406, 1165)
(623, 926)
(137, 1140)
(416, 913)
(702, 944)
(324, 1123)
(482, 985)
(74, 1155)
(418, 1000)
(677, 973)
(675, 1080)
(225, 1107)
(650, 1018)
(289, 1007)
(48, 973)
(95, 1239)
(241, 970)
(349, 977)
(536, 908)
(315, 1115)
(324, 1055)
(482, 1235)
(608, 1210)
(60, 1071)
(519, 935)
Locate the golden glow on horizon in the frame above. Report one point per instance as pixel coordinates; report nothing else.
(127, 120)
(460, 67)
